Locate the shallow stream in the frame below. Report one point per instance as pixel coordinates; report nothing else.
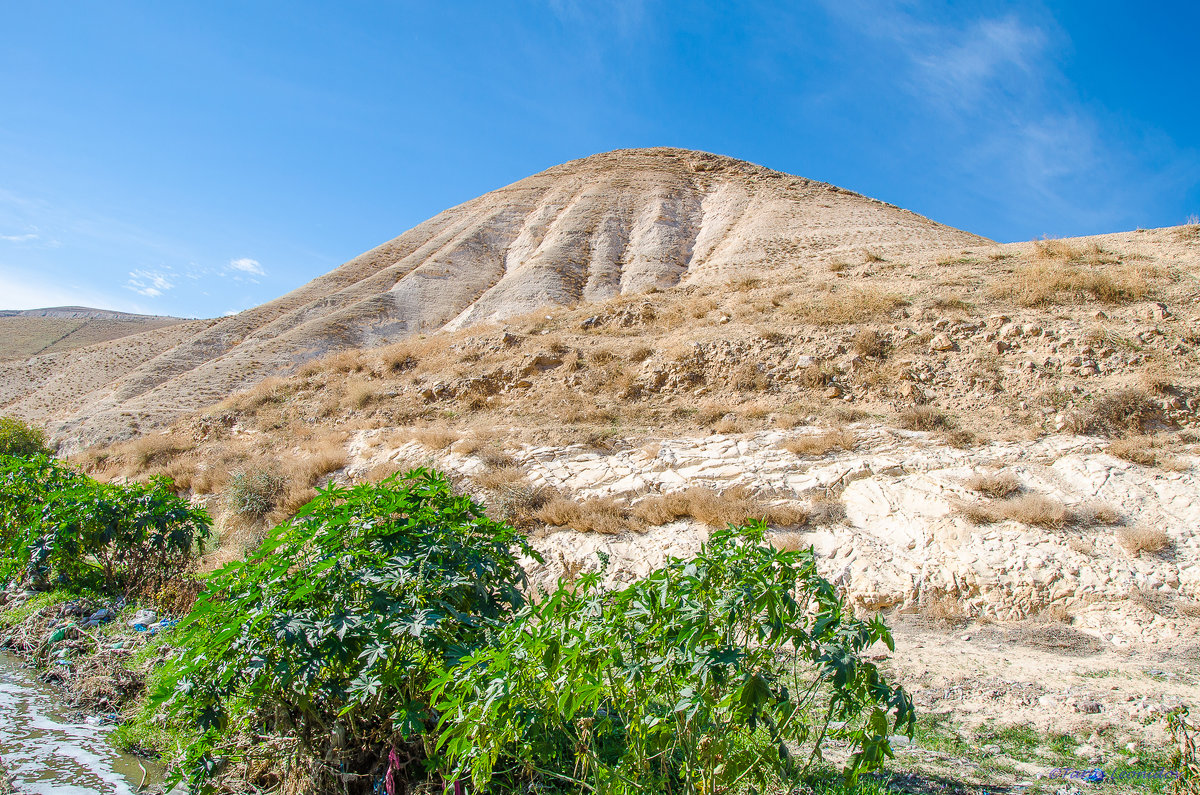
(48, 749)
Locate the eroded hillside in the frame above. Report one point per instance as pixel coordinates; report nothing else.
(995, 443)
(616, 224)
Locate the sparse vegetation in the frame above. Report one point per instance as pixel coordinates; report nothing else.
(869, 342)
(1142, 538)
(1148, 451)
(1039, 511)
(1125, 411)
(996, 485)
(254, 493)
(849, 305)
(716, 509)
(925, 418)
(18, 438)
(819, 444)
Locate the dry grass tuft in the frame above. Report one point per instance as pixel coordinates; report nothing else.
(1190, 230)
(502, 477)
(850, 305)
(1115, 413)
(519, 503)
(435, 438)
(716, 509)
(1091, 514)
(325, 458)
(1054, 280)
(269, 390)
(1142, 538)
(602, 515)
(748, 377)
(814, 376)
(821, 443)
(924, 418)
(788, 541)
(996, 485)
(360, 393)
(826, 511)
(1039, 511)
(1036, 510)
(945, 610)
(1148, 451)
(869, 342)
(151, 450)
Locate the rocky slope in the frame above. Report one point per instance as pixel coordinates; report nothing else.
(613, 224)
(998, 441)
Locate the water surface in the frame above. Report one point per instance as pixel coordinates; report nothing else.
(51, 751)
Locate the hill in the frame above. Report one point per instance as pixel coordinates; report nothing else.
(619, 223)
(30, 332)
(997, 444)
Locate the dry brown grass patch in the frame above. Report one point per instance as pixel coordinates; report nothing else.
(814, 376)
(944, 609)
(502, 477)
(924, 418)
(641, 353)
(826, 511)
(869, 342)
(748, 376)
(519, 503)
(1144, 450)
(1039, 511)
(1036, 510)
(1143, 538)
(819, 444)
(716, 509)
(1115, 413)
(435, 438)
(269, 390)
(317, 462)
(602, 515)
(729, 424)
(996, 485)
(601, 356)
(154, 449)
(359, 393)
(789, 541)
(1189, 231)
(851, 305)
(1047, 283)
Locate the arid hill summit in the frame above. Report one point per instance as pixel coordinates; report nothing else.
(616, 223)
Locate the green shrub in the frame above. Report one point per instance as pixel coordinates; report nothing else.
(381, 633)
(704, 676)
(330, 632)
(254, 494)
(21, 439)
(60, 528)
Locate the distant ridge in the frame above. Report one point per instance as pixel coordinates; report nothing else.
(74, 312)
(33, 332)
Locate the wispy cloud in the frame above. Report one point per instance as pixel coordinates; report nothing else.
(969, 66)
(1003, 111)
(626, 16)
(247, 265)
(19, 238)
(151, 284)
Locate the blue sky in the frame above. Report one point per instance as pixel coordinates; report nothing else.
(200, 158)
